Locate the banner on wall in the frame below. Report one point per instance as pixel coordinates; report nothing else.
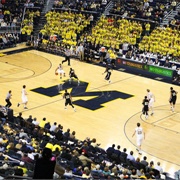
(150, 68)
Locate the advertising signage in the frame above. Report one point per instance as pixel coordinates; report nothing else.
(150, 68)
(161, 71)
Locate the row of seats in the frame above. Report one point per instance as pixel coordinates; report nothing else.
(31, 18)
(8, 40)
(152, 10)
(11, 13)
(22, 142)
(56, 26)
(163, 40)
(88, 5)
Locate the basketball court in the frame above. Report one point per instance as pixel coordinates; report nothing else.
(107, 112)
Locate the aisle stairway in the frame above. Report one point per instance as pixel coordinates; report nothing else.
(47, 7)
(109, 6)
(170, 15)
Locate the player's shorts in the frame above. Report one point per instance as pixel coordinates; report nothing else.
(173, 101)
(139, 141)
(68, 101)
(73, 76)
(151, 102)
(61, 71)
(108, 76)
(24, 99)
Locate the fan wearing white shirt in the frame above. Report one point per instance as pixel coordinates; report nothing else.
(35, 122)
(135, 58)
(156, 62)
(53, 127)
(173, 66)
(150, 61)
(159, 168)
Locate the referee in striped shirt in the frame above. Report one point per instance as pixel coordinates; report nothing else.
(8, 97)
(67, 56)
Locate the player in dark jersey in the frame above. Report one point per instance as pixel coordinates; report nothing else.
(68, 100)
(108, 75)
(172, 99)
(145, 106)
(73, 75)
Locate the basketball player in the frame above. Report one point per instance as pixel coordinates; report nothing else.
(24, 97)
(151, 99)
(8, 98)
(68, 100)
(108, 75)
(172, 99)
(60, 71)
(139, 137)
(73, 75)
(67, 56)
(145, 106)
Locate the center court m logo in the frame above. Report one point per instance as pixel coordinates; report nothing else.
(98, 97)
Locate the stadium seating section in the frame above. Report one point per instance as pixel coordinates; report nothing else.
(163, 41)
(153, 10)
(22, 142)
(66, 25)
(88, 5)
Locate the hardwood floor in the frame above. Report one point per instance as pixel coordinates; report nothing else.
(114, 122)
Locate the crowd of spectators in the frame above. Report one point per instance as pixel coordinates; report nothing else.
(108, 32)
(121, 37)
(66, 26)
(31, 18)
(11, 13)
(28, 145)
(34, 3)
(162, 40)
(38, 149)
(9, 40)
(86, 5)
(153, 10)
(111, 32)
(176, 20)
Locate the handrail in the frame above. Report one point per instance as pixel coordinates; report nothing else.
(169, 13)
(107, 6)
(24, 13)
(23, 17)
(11, 29)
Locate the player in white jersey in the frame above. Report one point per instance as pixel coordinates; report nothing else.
(60, 71)
(140, 135)
(24, 97)
(151, 98)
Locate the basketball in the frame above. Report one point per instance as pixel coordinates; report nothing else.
(56, 73)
